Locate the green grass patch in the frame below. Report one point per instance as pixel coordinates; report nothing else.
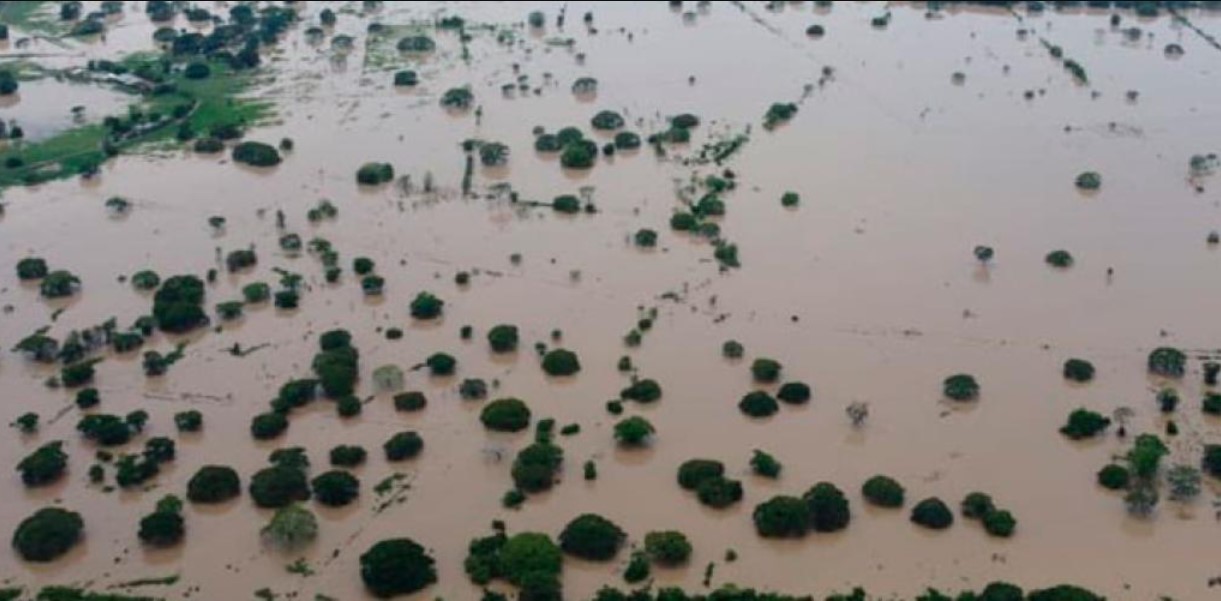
(216, 100)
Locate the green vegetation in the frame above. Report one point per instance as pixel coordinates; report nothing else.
(441, 364)
(458, 99)
(178, 304)
(403, 446)
(426, 306)
(163, 527)
(505, 415)
(345, 455)
(1078, 370)
(31, 268)
(593, 537)
(694, 472)
(335, 488)
(645, 390)
(732, 349)
(999, 523)
(1114, 477)
(1059, 258)
(1083, 423)
(1089, 180)
(883, 491)
(634, 431)
(719, 492)
(45, 465)
(828, 507)
(257, 154)
(778, 113)
(794, 393)
(277, 486)
(373, 174)
(961, 387)
(758, 404)
(267, 426)
(1167, 362)
(291, 527)
(1211, 461)
(765, 370)
(398, 566)
(503, 338)
(667, 547)
(47, 534)
(976, 505)
(561, 362)
(932, 513)
(782, 516)
(410, 401)
(765, 465)
(214, 484)
(607, 121)
(535, 467)
(59, 284)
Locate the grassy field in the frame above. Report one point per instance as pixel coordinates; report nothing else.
(33, 18)
(217, 101)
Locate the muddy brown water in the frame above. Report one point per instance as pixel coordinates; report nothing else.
(901, 173)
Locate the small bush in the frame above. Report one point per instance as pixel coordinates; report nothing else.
(348, 455)
(719, 492)
(1089, 180)
(932, 513)
(633, 431)
(503, 338)
(1167, 362)
(45, 465)
(1059, 258)
(1000, 523)
(1078, 370)
(976, 505)
(403, 446)
(693, 472)
(426, 306)
(278, 486)
(505, 415)
(396, 567)
(374, 174)
(561, 362)
(644, 391)
(828, 507)
(765, 371)
(758, 404)
(256, 154)
(213, 484)
(410, 401)
(1083, 423)
(765, 465)
(267, 426)
(1114, 477)
(961, 387)
(441, 364)
(794, 393)
(335, 488)
(47, 534)
(667, 547)
(593, 537)
(732, 349)
(883, 491)
(782, 516)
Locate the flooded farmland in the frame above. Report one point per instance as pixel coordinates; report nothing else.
(870, 194)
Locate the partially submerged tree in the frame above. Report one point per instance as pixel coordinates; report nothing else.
(592, 537)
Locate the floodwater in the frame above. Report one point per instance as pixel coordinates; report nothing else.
(868, 291)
